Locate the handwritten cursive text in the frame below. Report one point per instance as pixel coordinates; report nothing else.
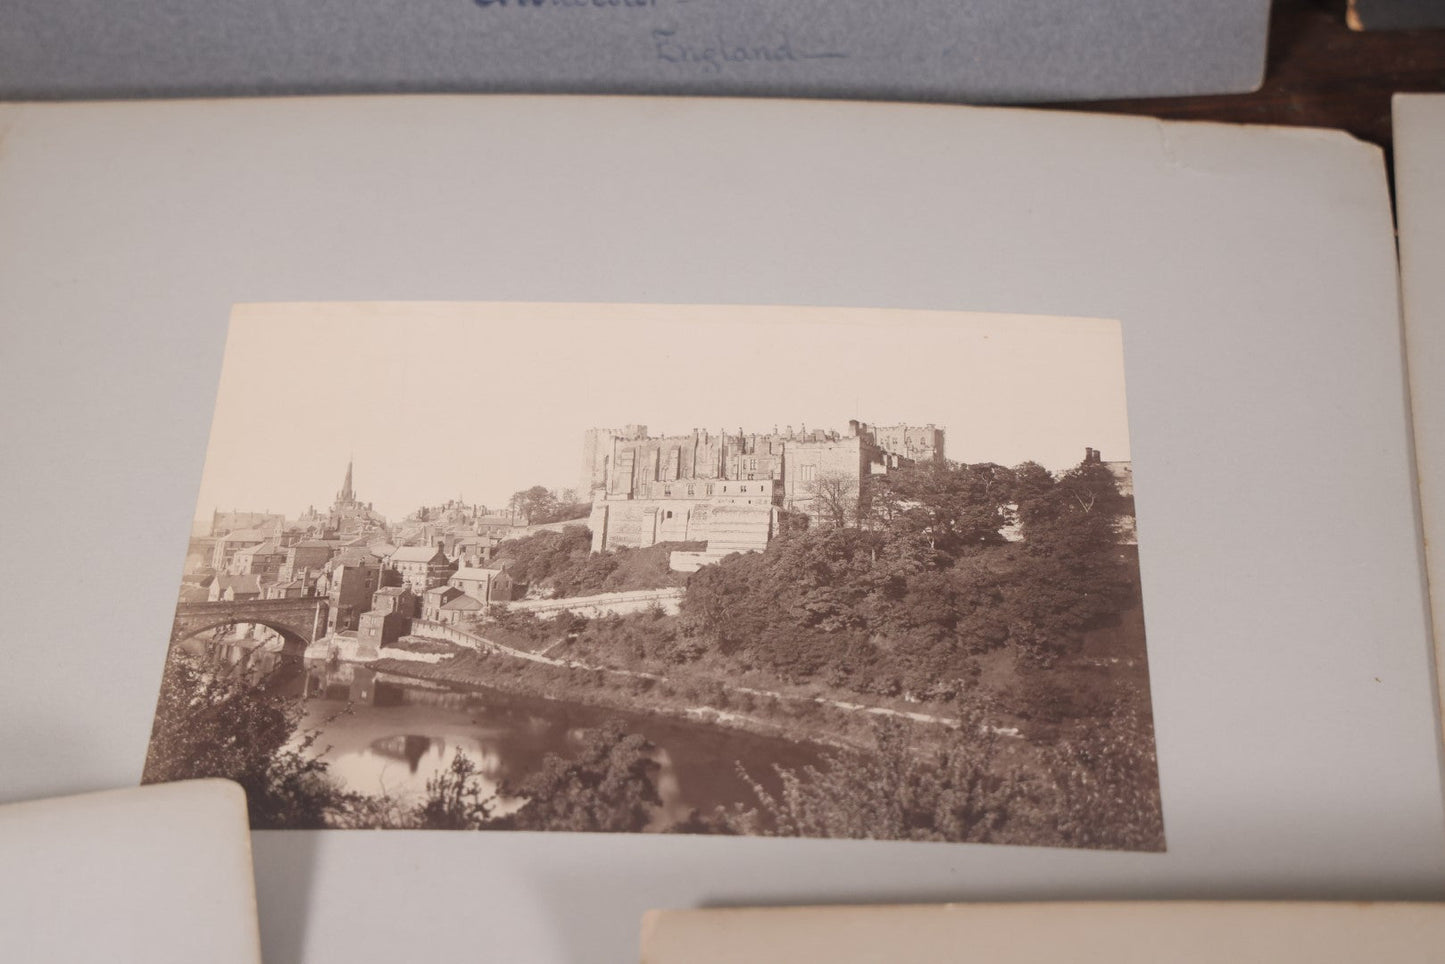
(723, 52)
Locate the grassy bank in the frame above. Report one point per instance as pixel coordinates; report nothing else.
(1042, 707)
(797, 720)
(1106, 671)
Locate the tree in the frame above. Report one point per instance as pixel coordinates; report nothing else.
(1075, 514)
(963, 792)
(1031, 493)
(456, 798)
(542, 555)
(834, 499)
(610, 785)
(1072, 571)
(929, 581)
(214, 721)
(1108, 779)
(533, 502)
(946, 506)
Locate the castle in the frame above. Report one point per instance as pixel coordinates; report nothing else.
(727, 489)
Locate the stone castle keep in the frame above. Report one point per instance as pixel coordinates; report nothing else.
(726, 489)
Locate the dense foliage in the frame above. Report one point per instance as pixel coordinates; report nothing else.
(963, 792)
(214, 720)
(456, 799)
(539, 505)
(563, 564)
(608, 785)
(1098, 791)
(930, 580)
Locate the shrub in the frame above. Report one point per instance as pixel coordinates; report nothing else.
(213, 720)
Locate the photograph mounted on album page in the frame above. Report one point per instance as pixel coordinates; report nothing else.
(900, 600)
(748, 476)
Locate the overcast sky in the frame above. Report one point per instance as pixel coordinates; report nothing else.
(437, 401)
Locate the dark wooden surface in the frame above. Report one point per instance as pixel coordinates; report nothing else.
(1319, 74)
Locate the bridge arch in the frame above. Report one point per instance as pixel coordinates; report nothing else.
(299, 622)
(294, 643)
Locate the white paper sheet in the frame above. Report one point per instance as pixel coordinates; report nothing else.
(147, 875)
(1185, 932)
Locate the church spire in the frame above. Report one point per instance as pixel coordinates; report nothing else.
(346, 494)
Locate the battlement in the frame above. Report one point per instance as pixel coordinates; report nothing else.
(620, 464)
(726, 488)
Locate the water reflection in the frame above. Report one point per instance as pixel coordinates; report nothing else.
(257, 651)
(384, 734)
(410, 748)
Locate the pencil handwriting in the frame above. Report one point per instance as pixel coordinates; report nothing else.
(721, 52)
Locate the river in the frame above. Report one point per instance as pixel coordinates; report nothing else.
(384, 734)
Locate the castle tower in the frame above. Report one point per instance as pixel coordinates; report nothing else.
(596, 444)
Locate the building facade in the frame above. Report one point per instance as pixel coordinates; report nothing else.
(375, 629)
(726, 489)
(395, 599)
(227, 522)
(264, 559)
(229, 588)
(305, 558)
(421, 567)
(461, 609)
(485, 585)
(434, 599)
(223, 552)
(349, 589)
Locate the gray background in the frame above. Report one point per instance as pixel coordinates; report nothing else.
(975, 50)
(1253, 272)
(1419, 122)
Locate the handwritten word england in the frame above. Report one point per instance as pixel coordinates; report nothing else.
(713, 57)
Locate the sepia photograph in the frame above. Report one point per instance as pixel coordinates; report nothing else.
(778, 571)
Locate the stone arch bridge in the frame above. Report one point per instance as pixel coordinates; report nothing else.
(299, 621)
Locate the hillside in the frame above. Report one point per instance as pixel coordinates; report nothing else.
(563, 564)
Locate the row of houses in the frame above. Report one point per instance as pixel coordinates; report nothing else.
(267, 565)
(358, 580)
(464, 596)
